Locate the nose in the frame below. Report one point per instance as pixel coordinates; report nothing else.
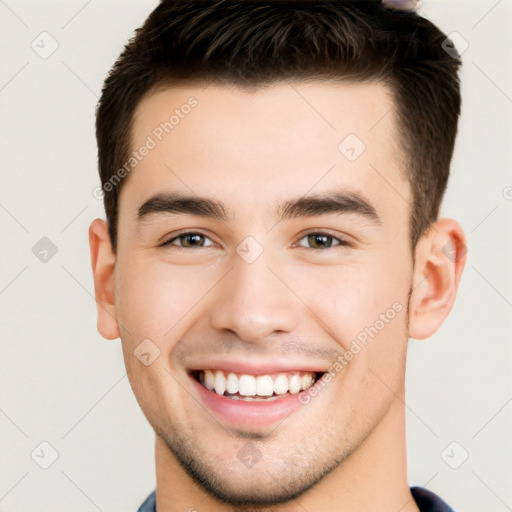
(253, 300)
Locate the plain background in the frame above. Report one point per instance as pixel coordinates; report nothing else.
(61, 383)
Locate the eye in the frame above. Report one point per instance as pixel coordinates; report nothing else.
(188, 240)
(319, 240)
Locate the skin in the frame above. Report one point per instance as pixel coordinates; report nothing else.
(345, 449)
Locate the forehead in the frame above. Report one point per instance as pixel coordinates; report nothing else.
(250, 149)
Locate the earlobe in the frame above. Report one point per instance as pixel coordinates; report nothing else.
(103, 265)
(440, 256)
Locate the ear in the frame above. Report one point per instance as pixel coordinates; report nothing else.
(440, 256)
(103, 265)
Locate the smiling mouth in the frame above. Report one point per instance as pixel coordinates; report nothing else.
(256, 388)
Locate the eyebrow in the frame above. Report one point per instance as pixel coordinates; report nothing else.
(342, 202)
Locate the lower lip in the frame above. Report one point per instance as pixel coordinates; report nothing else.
(245, 413)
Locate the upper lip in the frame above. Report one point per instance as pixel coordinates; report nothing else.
(260, 366)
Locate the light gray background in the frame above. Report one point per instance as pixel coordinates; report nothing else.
(63, 384)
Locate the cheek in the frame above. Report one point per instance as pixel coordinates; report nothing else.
(363, 307)
(156, 302)
(348, 299)
(156, 299)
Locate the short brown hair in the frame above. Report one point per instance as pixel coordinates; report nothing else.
(253, 43)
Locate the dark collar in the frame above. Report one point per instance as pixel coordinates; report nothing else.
(426, 500)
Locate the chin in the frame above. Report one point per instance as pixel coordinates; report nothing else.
(266, 483)
(256, 490)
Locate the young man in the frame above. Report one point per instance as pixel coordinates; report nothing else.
(273, 172)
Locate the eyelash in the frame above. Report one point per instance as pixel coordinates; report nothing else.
(341, 241)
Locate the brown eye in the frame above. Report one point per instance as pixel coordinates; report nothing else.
(322, 241)
(188, 240)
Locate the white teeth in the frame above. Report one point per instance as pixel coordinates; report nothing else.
(232, 384)
(294, 384)
(209, 379)
(305, 381)
(281, 384)
(264, 386)
(247, 385)
(220, 382)
(243, 386)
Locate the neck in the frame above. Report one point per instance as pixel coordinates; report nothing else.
(373, 477)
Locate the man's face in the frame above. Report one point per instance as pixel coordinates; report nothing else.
(270, 294)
